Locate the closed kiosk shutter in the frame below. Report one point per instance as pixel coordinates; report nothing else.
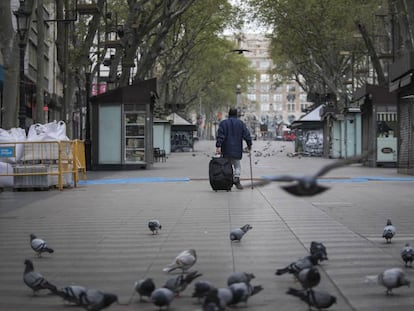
(405, 152)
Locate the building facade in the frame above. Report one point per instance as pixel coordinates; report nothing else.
(270, 104)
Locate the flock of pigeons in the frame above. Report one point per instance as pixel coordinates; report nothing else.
(239, 288)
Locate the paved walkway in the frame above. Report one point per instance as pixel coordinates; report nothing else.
(101, 240)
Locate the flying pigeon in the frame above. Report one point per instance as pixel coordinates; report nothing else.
(218, 299)
(162, 297)
(390, 279)
(96, 300)
(300, 264)
(389, 231)
(243, 291)
(154, 225)
(318, 247)
(71, 293)
(39, 245)
(201, 289)
(144, 288)
(35, 280)
(314, 298)
(308, 185)
(407, 255)
(237, 234)
(179, 283)
(238, 277)
(240, 51)
(309, 277)
(184, 261)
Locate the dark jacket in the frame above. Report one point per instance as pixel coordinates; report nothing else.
(230, 135)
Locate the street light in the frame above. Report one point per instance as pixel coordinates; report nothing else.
(238, 94)
(22, 17)
(88, 145)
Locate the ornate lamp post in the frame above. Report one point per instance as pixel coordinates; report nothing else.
(22, 17)
(88, 147)
(238, 99)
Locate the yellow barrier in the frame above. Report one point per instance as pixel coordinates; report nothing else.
(42, 164)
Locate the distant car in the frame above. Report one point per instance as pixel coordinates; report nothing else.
(289, 136)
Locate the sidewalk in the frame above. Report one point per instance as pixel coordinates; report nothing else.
(101, 239)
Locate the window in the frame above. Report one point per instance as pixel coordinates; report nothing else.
(264, 107)
(251, 97)
(264, 64)
(265, 88)
(277, 98)
(264, 98)
(264, 77)
(291, 107)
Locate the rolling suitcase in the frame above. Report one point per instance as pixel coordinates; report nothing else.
(220, 173)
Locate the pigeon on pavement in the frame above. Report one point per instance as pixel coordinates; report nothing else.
(96, 300)
(390, 279)
(154, 225)
(314, 298)
(237, 234)
(35, 280)
(201, 289)
(389, 231)
(39, 246)
(144, 287)
(162, 297)
(300, 264)
(238, 277)
(308, 185)
(243, 291)
(218, 299)
(318, 247)
(71, 293)
(179, 283)
(184, 261)
(407, 255)
(309, 277)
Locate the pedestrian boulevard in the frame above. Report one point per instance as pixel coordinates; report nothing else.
(101, 238)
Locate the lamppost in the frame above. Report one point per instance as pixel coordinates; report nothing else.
(238, 99)
(88, 146)
(22, 17)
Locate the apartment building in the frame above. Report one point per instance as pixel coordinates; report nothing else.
(270, 103)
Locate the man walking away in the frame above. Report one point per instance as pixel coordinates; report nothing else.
(229, 142)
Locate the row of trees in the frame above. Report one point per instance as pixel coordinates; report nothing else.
(335, 46)
(179, 42)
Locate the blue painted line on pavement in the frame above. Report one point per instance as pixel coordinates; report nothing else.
(140, 180)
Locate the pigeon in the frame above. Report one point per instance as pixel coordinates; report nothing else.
(179, 283)
(35, 280)
(154, 225)
(309, 277)
(314, 298)
(308, 185)
(95, 300)
(238, 277)
(144, 288)
(243, 291)
(71, 293)
(300, 264)
(162, 297)
(39, 245)
(218, 299)
(240, 51)
(407, 255)
(184, 261)
(390, 279)
(237, 234)
(201, 289)
(389, 231)
(318, 247)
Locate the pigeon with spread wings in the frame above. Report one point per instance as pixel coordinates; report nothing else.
(308, 185)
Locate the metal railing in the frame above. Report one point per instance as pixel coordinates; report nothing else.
(42, 164)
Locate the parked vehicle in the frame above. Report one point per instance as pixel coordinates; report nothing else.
(289, 136)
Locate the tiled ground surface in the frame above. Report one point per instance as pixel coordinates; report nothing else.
(101, 238)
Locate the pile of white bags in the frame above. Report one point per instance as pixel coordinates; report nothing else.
(12, 136)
